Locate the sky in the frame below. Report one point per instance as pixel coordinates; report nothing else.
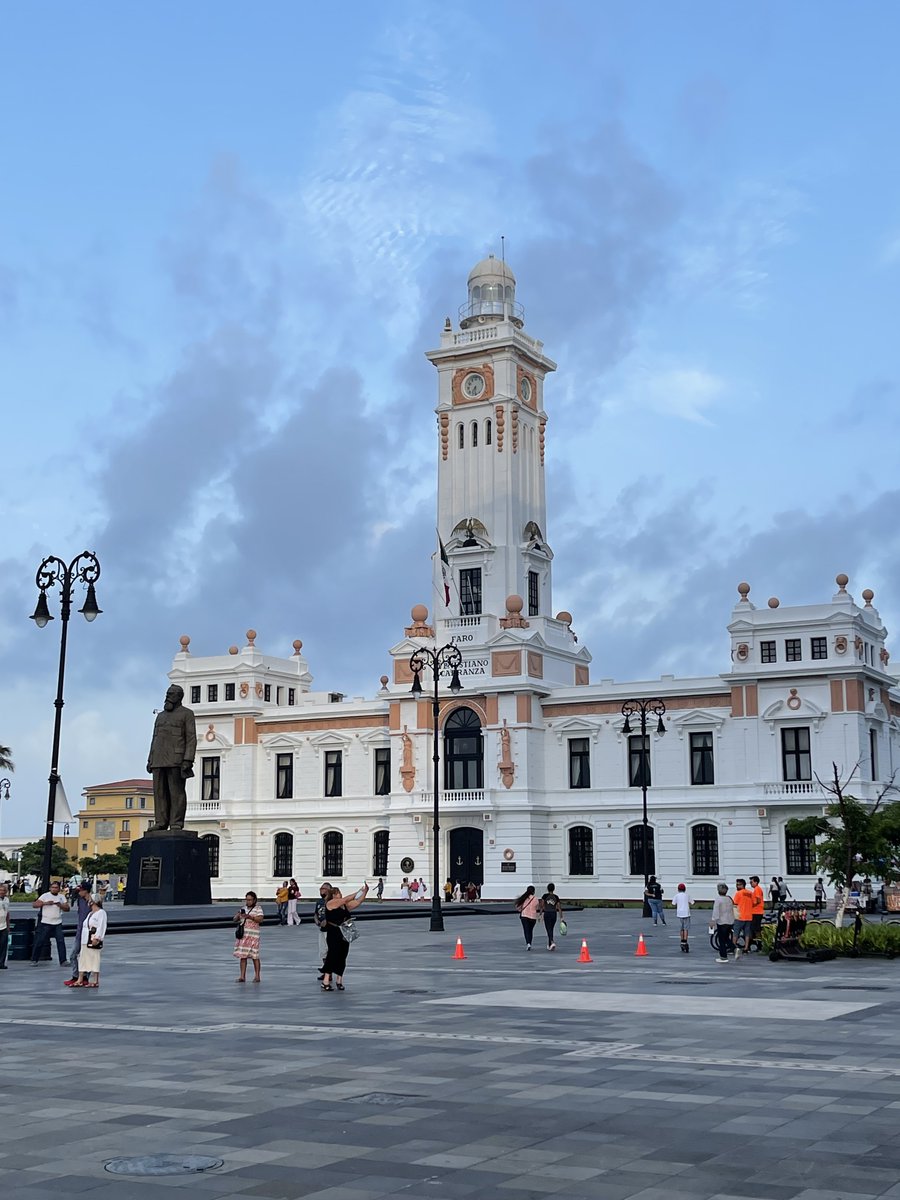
(229, 232)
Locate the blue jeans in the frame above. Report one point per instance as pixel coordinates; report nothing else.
(656, 911)
(42, 936)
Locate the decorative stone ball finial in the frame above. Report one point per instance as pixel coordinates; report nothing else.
(514, 604)
(298, 645)
(744, 592)
(842, 580)
(251, 636)
(868, 595)
(419, 614)
(774, 602)
(564, 617)
(185, 642)
(232, 650)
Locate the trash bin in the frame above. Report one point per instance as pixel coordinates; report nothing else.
(21, 938)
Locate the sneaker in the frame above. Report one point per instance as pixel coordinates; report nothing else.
(724, 960)
(737, 953)
(552, 946)
(528, 945)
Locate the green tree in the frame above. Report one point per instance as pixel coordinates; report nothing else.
(31, 859)
(853, 838)
(107, 864)
(6, 763)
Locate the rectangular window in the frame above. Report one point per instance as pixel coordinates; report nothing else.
(129, 801)
(382, 775)
(92, 800)
(380, 845)
(209, 778)
(792, 650)
(284, 776)
(85, 824)
(126, 826)
(195, 694)
(796, 760)
(638, 761)
(800, 853)
(873, 751)
(292, 696)
(333, 773)
(84, 845)
(702, 768)
(470, 591)
(212, 693)
(533, 594)
(767, 652)
(267, 693)
(579, 763)
(819, 647)
(143, 802)
(229, 691)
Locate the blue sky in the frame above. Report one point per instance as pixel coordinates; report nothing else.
(229, 232)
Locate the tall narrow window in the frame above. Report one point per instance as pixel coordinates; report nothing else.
(333, 854)
(470, 591)
(209, 777)
(792, 650)
(767, 652)
(284, 776)
(129, 800)
(229, 691)
(474, 433)
(796, 760)
(195, 695)
(267, 693)
(283, 855)
(380, 842)
(334, 783)
(800, 853)
(873, 751)
(534, 594)
(819, 647)
(638, 761)
(487, 433)
(461, 436)
(581, 850)
(383, 771)
(463, 751)
(212, 693)
(636, 851)
(212, 853)
(702, 769)
(579, 763)
(705, 850)
(292, 696)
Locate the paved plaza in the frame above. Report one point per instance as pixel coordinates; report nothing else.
(509, 1075)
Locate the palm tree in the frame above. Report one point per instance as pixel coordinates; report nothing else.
(6, 763)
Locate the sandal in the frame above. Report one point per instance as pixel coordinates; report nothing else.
(326, 987)
(240, 979)
(340, 987)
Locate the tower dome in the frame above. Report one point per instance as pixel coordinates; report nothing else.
(492, 295)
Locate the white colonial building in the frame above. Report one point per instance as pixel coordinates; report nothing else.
(539, 779)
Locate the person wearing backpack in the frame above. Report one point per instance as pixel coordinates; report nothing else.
(653, 894)
(551, 907)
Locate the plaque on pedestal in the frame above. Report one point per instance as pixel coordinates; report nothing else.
(168, 867)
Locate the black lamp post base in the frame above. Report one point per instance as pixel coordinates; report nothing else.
(437, 915)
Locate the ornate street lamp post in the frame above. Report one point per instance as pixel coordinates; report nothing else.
(85, 568)
(642, 708)
(450, 658)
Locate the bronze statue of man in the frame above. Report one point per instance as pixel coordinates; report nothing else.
(171, 760)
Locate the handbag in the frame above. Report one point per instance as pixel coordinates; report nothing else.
(563, 927)
(94, 943)
(239, 931)
(349, 930)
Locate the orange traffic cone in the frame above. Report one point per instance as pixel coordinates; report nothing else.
(641, 951)
(459, 952)
(585, 955)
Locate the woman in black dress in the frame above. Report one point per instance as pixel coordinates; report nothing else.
(337, 910)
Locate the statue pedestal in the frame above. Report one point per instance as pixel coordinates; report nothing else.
(170, 867)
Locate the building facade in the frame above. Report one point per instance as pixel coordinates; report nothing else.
(540, 780)
(114, 815)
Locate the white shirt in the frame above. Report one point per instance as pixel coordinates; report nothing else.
(4, 913)
(51, 913)
(682, 902)
(96, 921)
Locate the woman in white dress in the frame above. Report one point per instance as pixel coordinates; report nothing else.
(93, 931)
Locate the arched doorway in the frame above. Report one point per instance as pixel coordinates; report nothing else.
(463, 751)
(466, 861)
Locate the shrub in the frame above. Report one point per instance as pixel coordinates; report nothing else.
(873, 939)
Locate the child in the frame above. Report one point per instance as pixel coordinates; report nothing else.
(682, 904)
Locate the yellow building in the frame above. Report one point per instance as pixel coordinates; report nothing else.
(114, 815)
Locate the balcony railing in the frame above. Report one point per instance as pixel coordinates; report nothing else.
(458, 799)
(799, 788)
(205, 808)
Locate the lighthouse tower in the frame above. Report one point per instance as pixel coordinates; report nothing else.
(491, 440)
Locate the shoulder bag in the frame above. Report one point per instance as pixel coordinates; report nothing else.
(349, 930)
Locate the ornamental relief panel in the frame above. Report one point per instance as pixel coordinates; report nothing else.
(458, 396)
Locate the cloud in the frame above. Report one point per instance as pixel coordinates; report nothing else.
(683, 392)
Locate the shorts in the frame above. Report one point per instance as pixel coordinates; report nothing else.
(756, 925)
(742, 929)
(685, 922)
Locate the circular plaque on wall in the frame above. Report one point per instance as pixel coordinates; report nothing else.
(407, 865)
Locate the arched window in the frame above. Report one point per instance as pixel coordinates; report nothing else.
(636, 851)
(704, 850)
(380, 844)
(463, 751)
(212, 850)
(333, 854)
(581, 850)
(283, 857)
(487, 433)
(461, 436)
(476, 292)
(508, 292)
(474, 440)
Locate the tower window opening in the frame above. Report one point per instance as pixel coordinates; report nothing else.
(474, 433)
(487, 433)
(534, 592)
(461, 436)
(470, 591)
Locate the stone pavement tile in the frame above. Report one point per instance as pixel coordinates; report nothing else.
(540, 1185)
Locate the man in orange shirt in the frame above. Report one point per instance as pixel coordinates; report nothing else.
(759, 907)
(743, 902)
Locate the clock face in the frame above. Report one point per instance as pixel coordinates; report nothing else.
(525, 389)
(473, 385)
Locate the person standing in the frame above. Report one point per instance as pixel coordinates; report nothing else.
(774, 892)
(4, 926)
(448, 892)
(52, 905)
(682, 905)
(379, 889)
(784, 892)
(337, 911)
(404, 889)
(528, 907)
(282, 895)
(653, 894)
(422, 889)
(723, 920)
(820, 895)
(759, 908)
(457, 892)
(325, 894)
(93, 931)
(293, 897)
(246, 945)
(551, 907)
(743, 925)
(82, 908)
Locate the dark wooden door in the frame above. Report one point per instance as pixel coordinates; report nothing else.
(466, 855)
